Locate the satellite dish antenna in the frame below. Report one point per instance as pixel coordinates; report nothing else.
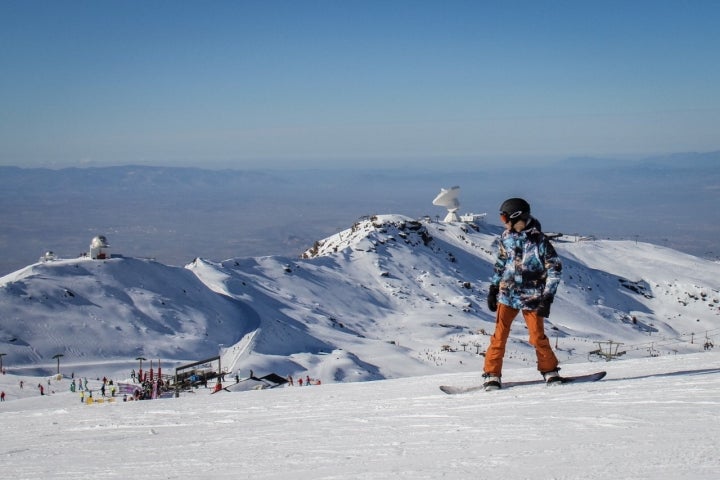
(448, 198)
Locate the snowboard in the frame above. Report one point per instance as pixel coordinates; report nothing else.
(591, 377)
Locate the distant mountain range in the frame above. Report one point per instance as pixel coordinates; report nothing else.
(390, 296)
(676, 161)
(176, 214)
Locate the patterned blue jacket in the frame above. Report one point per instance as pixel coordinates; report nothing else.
(527, 268)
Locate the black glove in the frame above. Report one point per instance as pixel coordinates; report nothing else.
(543, 308)
(492, 298)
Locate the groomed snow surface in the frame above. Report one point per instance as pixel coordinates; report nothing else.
(653, 418)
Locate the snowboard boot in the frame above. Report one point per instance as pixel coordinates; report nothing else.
(552, 377)
(492, 382)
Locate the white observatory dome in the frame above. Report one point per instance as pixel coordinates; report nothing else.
(99, 242)
(99, 248)
(48, 256)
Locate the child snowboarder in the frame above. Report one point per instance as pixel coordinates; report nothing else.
(526, 276)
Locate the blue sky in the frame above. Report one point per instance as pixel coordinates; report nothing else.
(365, 83)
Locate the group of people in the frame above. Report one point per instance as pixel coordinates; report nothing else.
(148, 390)
(82, 384)
(308, 381)
(107, 388)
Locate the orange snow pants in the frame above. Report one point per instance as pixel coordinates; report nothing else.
(546, 360)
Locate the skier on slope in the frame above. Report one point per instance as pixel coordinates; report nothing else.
(526, 276)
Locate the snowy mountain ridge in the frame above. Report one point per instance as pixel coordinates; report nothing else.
(389, 297)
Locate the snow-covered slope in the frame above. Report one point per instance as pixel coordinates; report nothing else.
(652, 418)
(114, 309)
(389, 297)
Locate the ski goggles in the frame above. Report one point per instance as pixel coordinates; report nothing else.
(506, 217)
